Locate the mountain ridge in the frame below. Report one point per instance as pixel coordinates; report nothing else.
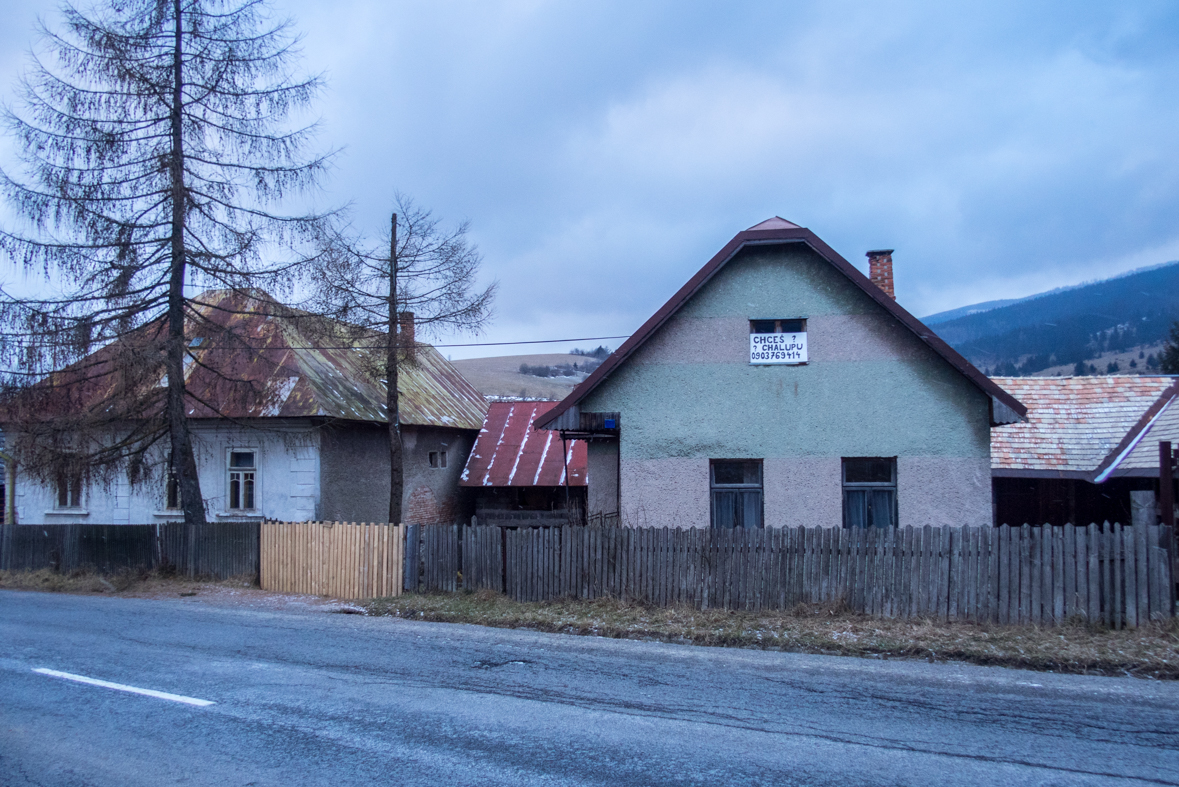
(1077, 324)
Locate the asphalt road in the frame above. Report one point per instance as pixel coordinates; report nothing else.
(313, 698)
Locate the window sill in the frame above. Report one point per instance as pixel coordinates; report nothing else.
(252, 513)
(169, 512)
(67, 512)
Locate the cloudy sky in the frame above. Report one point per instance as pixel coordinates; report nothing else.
(603, 151)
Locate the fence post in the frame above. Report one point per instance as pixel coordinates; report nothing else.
(7, 537)
(412, 556)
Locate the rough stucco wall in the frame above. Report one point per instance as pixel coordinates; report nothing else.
(667, 492)
(355, 473)
(287, 481)
(803, 492)
(870, 388)
(602, 477)
(938, 490)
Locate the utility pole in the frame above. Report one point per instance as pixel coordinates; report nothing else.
(392, 408)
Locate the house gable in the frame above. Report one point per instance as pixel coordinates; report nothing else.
(869, 386)
(777, 232)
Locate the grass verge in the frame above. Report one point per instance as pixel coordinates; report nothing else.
(1150, 651)
(120, 582)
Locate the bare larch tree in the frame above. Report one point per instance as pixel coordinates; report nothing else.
(160, 142)
(421, 276)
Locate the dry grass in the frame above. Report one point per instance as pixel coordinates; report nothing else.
(1149, 651)
(500, 375)
(131, 583)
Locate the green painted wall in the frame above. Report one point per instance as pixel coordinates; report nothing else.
(680, 397)
(870, 388)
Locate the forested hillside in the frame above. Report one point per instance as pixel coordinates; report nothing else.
(1064, 327)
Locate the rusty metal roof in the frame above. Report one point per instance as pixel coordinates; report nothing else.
(1076, 426)
(252, 357)
(300, 370)
(509, 453)
(777, 230)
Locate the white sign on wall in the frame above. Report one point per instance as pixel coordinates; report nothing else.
(788, 348)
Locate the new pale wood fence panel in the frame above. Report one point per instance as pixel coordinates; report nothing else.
(1110, 575)
(338, 559)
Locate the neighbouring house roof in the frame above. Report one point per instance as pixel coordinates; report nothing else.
(260, 359)
(776, 230)
(1086, 427)
(508, 453)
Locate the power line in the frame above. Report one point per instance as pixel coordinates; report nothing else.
(352, 347)
(537, 341)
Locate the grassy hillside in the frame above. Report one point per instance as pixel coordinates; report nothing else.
(500, 376)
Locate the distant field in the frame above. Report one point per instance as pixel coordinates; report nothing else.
(500, 376)
(1122, 359)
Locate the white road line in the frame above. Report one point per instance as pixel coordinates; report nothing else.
(163, 695)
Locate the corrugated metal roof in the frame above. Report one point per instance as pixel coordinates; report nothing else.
(261, 359)
(1073, 423)
(509, 453)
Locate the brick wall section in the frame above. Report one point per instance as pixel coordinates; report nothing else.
(424, 509)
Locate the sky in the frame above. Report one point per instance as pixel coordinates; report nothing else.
(604, 151)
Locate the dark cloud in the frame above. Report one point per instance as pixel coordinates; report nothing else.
(604, 151)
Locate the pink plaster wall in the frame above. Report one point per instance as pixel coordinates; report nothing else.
(670, 492)
(941, 490)
(690, 340)
(803, 491)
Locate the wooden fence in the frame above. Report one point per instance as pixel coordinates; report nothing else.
(1110, 575)
(343, 560)
(219, 550)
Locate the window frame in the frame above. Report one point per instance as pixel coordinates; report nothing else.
(867, 486)
(172, 492)
(780, 325)
(69, 487)
(714, 488)
(255, 480)
(436, 459)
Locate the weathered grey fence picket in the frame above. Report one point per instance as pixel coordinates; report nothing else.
(220, 549)
(1113, 575)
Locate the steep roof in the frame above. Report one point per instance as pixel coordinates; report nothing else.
(774, 231)
(509, 454)
(1083, 427)
(252, 357)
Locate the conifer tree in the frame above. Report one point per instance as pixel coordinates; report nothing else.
(160, 142)
(1169, 357)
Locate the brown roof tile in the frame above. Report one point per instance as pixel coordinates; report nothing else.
(1073, 423)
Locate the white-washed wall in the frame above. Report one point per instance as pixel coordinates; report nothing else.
(287, 481)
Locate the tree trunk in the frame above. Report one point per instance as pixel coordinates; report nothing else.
(396, 455)
(183, 459)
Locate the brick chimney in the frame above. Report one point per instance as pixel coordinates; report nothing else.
(405, 331)
(880, 270)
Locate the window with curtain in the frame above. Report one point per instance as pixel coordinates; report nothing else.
(870, 492)
(736, 486)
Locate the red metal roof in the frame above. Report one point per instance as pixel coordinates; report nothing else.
(509, 453)
(778, 230)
